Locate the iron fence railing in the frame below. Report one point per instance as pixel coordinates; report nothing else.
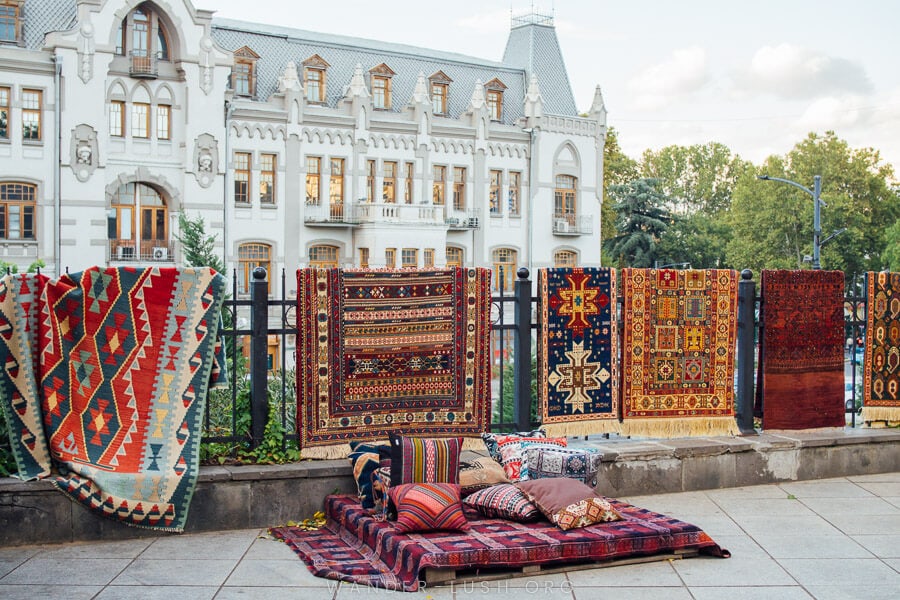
(262, 385)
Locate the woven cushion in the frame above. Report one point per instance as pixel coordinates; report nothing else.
(490, 440)
(365, 458)
(568, 503)
(428, 507)
(512, 450)
(479, 474)
(547, 463)
(503, 501)
(424, 460)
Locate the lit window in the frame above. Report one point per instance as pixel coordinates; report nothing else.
(267, 164)
(242, 177)
(388, 183)
(117, 118)
(565, 258)
(459, 188)
(163, 122)
(408, 183)
(504, 269)
(323, 257)
(454, 256)
(390, 257)
(32, 106)
(370, 181)
(4, 113)
(140, 120)
(9, 21)
(515, 180)
(313, 177)
(428, 258)
(409, 258)
(17, 203)
(437, 190)
(336, 188)
(564, 206)
(496, 180)
(251, 256)
(363, 258)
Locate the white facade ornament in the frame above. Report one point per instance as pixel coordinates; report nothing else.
(290, 80)
(358, 83)
(83, 158)
(534, 102)
(420, 94)
(478, 101)
(86, 50)
(206, 63)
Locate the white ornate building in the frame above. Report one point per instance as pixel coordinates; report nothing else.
(296, 148)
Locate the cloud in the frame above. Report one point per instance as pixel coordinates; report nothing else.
(684, 72)
(489, 22)
(795, 72)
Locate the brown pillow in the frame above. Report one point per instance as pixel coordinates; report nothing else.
(568, 503)
(479, 474)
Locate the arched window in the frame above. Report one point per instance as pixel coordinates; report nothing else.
(323, 257)
(137, 224)
(504, 269)
(17, 202)
(250, 256)
(565, 258)
(454, 256)
(564, 200)
(143, 37)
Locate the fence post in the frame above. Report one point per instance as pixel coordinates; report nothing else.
(259, 317)
(522, 352)
(745, 342)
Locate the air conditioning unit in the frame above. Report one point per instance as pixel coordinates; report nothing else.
(472, 222)
(160, 253)
(562, 226)
(125, 253)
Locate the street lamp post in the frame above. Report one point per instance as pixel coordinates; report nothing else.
(817, 226)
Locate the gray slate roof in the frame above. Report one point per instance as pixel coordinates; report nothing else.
(531, 48)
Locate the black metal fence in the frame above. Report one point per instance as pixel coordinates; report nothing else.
(262, 387)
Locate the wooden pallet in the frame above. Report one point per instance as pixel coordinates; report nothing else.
(449, 576)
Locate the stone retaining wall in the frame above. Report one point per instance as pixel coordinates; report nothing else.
(259, 496)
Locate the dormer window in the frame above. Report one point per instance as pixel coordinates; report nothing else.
(243, 74)
(381, 86)
(314, 69)
(10, 21)
(495, 89)
(143, 38)
(440, 93)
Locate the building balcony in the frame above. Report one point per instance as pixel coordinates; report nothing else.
(464, 219)
(571, 224)
(142, 66)
(334, 215)
(412, 214)
(147, 251)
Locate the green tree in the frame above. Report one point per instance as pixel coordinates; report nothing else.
(772, 222)
(618, 169)
(197, 246)
(890, 258)
(641, 219)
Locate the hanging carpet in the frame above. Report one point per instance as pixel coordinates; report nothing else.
(802, 349)
(382, 351)
(678, 350)
(881, 365)
(577, 355)
(105, 396)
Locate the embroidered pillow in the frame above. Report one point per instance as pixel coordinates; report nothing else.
(424, 460)
(545, 463)
(490, 440)
(365, 458)
(568, 503)
(428, 507)
(503, 501)
(479, 474)
(512, 450)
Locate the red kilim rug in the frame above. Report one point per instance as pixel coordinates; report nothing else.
(381, 351)
(357, 548)
(678, 349)
(881, 391)
(802, 349)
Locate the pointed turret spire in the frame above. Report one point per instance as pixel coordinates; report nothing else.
(357, 85)
(598, 107)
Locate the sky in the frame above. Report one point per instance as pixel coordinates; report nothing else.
(757, 75)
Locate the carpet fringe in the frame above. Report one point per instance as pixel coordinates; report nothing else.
(681, 427)
(890, 414)
(578, 428)
(326, 452)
